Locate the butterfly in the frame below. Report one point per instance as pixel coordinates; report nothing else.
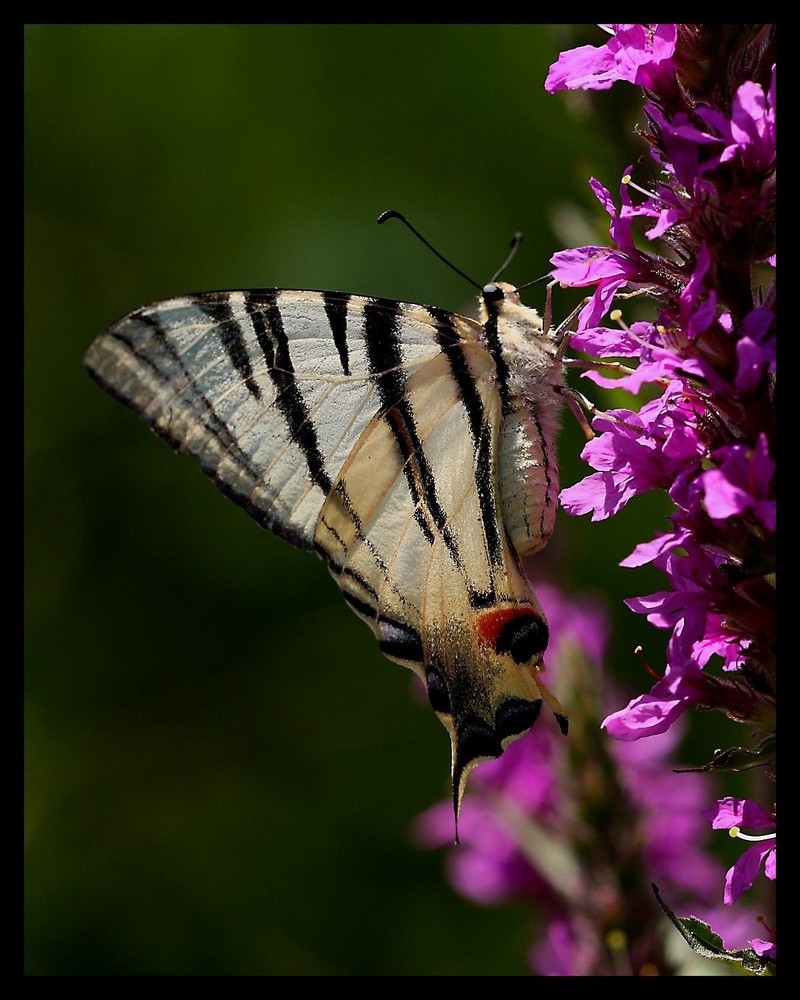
(411, 448)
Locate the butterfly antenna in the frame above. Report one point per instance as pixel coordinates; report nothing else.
(532, 282)
(516, 239)
(392, 214)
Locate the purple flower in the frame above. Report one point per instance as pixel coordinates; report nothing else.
(567, 947)
(693, 610)
(656, 712)
(742, 483)
(490, 869)
(698, 350)
(762, 947)
(695, 577)
(638, 53)
(717, 163)
(755, 349)
(691, 147)
(635, 453)
(609, 269)
(731, 814)
(751, 135)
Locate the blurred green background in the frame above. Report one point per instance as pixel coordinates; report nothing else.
(221, 769)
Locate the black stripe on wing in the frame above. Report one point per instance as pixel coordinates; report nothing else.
(453, 348)
(382, 336)
(229, 330)
(335, 304)
(155, 353)
(262, 308)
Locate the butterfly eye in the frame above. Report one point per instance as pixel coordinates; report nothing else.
(523, 637)
(437, 691)
(492, 292)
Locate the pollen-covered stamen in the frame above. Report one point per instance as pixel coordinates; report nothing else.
(628, 181)
(737, 834)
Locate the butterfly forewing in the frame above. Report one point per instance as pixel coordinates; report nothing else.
(385, 436)
(268, 388)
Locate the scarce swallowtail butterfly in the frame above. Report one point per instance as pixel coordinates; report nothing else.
(411, 448)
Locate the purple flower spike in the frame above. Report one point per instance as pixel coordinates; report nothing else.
(707, 360)
(579, 829)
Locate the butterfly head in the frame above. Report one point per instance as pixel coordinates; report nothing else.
(502, 309)
(496, 293)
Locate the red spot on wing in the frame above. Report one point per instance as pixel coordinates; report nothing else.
(491, 623)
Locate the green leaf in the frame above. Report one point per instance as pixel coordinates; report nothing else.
(705, 942)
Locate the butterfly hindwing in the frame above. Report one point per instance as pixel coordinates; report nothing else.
(385, 436)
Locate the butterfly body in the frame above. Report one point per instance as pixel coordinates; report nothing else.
(412, 448)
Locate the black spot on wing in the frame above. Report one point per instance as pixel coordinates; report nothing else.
(438, 695)
(399, 640)
(475, 739)
(515, 716)
(523, 637)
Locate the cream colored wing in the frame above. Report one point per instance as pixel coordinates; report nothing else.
(375, 432)
(269, 388)
(413, 531)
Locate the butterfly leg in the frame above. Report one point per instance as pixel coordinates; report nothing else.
(562, 332)
(577, 403)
